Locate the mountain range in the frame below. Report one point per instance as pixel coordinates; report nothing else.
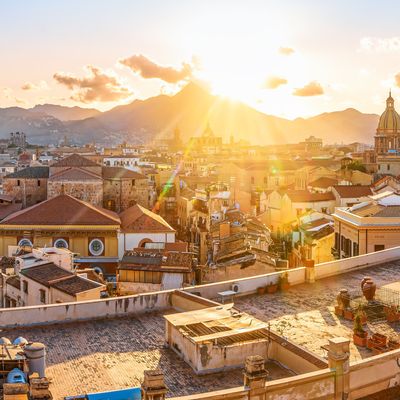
(191, 110)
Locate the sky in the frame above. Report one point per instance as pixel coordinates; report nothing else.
(287, 58)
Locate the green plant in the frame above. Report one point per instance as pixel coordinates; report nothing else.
(358, 328)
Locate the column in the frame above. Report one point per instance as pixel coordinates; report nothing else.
(310, 270)
(338, 360)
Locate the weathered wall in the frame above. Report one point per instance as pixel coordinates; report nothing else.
(90, 191)
(35, 190)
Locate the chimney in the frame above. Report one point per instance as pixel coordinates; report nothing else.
(153, 386)
(255, 374)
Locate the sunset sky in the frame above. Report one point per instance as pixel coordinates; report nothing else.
(287, 58)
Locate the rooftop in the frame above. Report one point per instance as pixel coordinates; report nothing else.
(30, 173)
(74, 174)
(121, 173)
(75, 160)
(113, 354)
(305, 313)
(74, 212)
(350, 191)
(300, 196)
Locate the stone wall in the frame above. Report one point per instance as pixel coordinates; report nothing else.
(88, 190)
(121, 194)
(34, 190)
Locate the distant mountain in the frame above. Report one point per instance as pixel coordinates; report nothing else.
(66, 113)
(190, 109)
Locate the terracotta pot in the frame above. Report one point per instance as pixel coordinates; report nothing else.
(360, 339)
(338, 311)
(348, 314)
(261, 290)
(343, 298)
(393, 345)
(363, 280)
(272, 289)
(369, 289)
(378, 350)
(391, 316)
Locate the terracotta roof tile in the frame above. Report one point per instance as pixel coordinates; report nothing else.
(304, 196)
(349, 191)
(120, 173)
(323, 182)
(140, 219)
(75, 160)
(30, 173)
(62, 210)
(74, 174)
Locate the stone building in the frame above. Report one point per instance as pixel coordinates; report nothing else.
(27, 186)
(114, 188)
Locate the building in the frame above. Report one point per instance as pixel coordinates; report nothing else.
(17, 139)
(64, 221)
(114, 188)
(27, 186)
(150, 269)
(348, 195)
(367, 227)
(387, 140)
(206, 143)
(140, 226)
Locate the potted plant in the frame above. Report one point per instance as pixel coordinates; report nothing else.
(261, 290)
(391, 314)
(272, 288)
(284, 282)
(360, 336)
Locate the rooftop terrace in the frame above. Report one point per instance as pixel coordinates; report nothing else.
(112, 354)
(305, 313)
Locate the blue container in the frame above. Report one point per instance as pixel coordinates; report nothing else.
(16, 376)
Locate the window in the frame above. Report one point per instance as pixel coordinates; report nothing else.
(25, 242)
(25, 286)
(96, 247)
(388, 167)
(42, 295)
(18, 182)
(133, 182)
(61, 244)
(38, 182)
(355, 249)
(379, 247)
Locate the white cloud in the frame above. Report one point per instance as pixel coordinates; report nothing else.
(376, 44)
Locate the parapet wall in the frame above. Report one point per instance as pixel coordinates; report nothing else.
(119, 306)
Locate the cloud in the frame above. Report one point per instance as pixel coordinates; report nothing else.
(274, 82)
(286, 51)
(376, 44)
(149, 69)
(32, 86)
(96, 86)
(311, 89)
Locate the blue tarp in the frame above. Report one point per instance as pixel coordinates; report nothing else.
(123, 394)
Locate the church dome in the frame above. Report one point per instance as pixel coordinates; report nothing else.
(389, 122)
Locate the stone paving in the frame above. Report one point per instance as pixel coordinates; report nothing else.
(112, 354)
(305, 313)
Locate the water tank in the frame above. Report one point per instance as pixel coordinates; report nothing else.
(36, 356)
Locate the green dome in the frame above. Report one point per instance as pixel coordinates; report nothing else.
(389, 122)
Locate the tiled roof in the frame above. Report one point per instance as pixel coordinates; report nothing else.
(75, 285)
(46, 273)
(349, 191)
(323, 182)
(120, 173)
(74, 174)
(140, 219)
(75, 160)
(30, 173)
(304, 196)
(59, 278)
(14, 281)
(8, 209)
(62, 210)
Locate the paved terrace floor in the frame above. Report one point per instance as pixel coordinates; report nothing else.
(112, 354)
(305, 313)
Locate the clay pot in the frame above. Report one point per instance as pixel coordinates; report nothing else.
(368, 288)
(343, 298)
(272, 288)
(360, 339)
(261, 290)
(366, 278)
